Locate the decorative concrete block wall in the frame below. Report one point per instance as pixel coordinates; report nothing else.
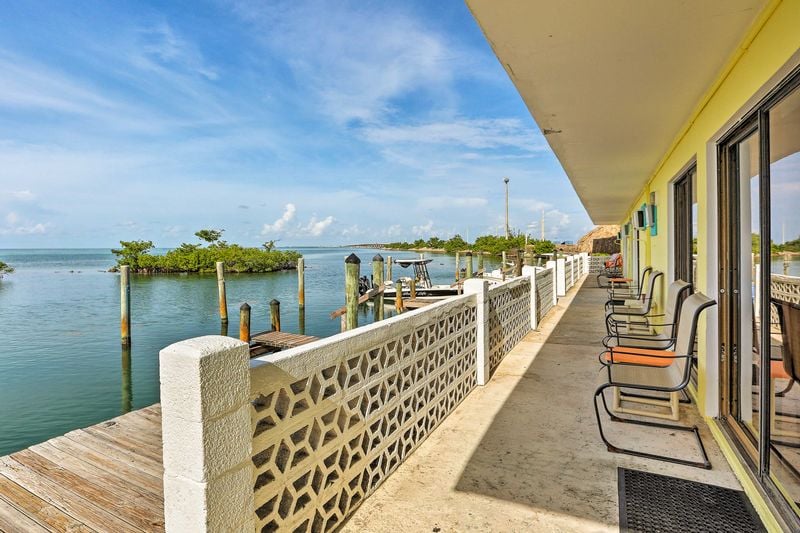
(509, 318)
(297, 440)
(331, 422)
(545, 287)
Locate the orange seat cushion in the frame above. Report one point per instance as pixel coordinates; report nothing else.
(776, 370)
(639, 356)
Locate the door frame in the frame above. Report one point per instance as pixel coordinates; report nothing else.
(754, 455)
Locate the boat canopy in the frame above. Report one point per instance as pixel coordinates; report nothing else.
(405, 263)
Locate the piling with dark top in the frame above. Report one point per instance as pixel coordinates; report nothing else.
(389, 267)
(504, 260)
(458, 266)
(301, 283)
(223, 300)
(244, 322)
(518, 264)
(412, 288)
(529, 255)
(352, 271)
(468, 261)
(398, 296)
(275, 315)
(301, 321)
(480, 261)
(125, 304)
(377, 281)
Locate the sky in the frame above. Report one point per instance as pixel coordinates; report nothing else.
(304, 122)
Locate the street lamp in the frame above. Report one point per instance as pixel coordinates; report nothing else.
(506, 180)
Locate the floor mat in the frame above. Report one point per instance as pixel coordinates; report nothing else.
(652, 502)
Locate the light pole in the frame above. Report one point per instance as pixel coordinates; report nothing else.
(505, 180)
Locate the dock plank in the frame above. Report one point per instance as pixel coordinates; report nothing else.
(116, 497)
(38, 510)
(63, 498)
(106, 477)
(115, 451)
(12, 520)
(149, 482)
(281, 339)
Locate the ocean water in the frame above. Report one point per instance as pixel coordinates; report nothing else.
(61, 364)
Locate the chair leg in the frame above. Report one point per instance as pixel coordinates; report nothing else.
(705, 463)
(786, 390)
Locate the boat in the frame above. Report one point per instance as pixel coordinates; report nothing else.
(424, 288)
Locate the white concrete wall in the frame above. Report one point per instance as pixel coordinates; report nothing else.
(301, 437)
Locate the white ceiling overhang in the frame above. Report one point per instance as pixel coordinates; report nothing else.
(611, 83)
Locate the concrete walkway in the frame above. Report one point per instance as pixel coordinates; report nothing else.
(523, 453)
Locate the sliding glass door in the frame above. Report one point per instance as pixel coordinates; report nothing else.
(760, 291)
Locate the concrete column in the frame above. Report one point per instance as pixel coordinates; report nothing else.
(480, 288)
(530, 272)
(551, 266)
(207, 441)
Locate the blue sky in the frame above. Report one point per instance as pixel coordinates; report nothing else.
(306, 122)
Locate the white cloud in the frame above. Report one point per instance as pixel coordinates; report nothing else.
(356, 59)
(394, 230)
(444, 202)
(470, 133)
(423, 230)
(280, 225)
(315, 227)
(16, 225)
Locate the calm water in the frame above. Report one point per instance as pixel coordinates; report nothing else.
(61, 365)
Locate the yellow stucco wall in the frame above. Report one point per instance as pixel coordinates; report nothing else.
(772, 41)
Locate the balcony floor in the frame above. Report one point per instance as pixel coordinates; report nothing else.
(523, 453)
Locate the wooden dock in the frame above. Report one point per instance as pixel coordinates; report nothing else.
(107, 477)
(274, 341)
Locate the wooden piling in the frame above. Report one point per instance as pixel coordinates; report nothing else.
(244, 322)
(518, 263)
(125, 304)
(398, 296)
(480, 261)
(458, 266)
(468, 261)
(301, 283)
(377, 281)
(301, 321)
(529, 255)
(127, 383)
(352, 271)
(275, 315)
(785, 263)
(412, 288)
(388, 267)
(223, 300)
(503, 261)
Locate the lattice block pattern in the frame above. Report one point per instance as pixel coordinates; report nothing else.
(569, 273)
(597, 263)
(509, 318)
(544, 293)
(785, 288)
(332, 421)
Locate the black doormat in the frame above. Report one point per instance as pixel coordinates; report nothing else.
(652, 502)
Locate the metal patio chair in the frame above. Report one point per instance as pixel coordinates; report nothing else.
(618, 295)
(655, 340)
(788, 367)
(644, 369)
(660, 340)
(634, 313)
